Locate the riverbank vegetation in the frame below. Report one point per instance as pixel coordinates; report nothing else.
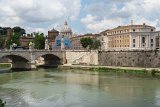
(5, 65)
(103, 69)
(153, 72)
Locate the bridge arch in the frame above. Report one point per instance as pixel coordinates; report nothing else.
(18, 62)
(15, 58)
(48, 60)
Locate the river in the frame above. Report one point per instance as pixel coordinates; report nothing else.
(78, 88)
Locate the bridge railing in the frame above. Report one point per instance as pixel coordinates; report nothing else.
(37, 50)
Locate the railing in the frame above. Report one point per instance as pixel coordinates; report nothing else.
(46, 50)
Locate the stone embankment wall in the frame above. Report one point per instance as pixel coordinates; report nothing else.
(130, 58)
(82, 57)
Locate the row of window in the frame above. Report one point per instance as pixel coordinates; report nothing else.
(123, 31)
(143, 42)
(118, 32)
(118, 46)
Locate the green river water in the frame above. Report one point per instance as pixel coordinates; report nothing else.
(78, 88)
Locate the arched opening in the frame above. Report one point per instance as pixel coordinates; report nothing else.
(48, 60)
(17, 62)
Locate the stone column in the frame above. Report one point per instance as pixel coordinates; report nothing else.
(131, 41)
(140, 41)
(64, 57)
(32, 63)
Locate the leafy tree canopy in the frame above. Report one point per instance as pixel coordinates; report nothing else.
(39, 40)
(14, 39)
(86, 42)
(18, 30)
(91, 43)
(2, 41)
(96, 44)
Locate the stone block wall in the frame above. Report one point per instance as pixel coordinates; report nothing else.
(82, 57)
(130, 58)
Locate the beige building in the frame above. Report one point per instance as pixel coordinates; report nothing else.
(131, 37)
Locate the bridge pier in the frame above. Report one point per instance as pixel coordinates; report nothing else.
(23, 65)
(32, 65)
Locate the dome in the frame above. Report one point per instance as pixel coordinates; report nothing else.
(53, 30)
(66, 28)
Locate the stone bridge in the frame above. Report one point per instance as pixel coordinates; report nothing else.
(29, 59)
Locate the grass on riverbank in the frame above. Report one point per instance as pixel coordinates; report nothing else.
(5, 65)
(103, 69)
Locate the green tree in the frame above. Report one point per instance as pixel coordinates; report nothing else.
(86, 42)
(18, 30)
(96, 44)
(2, 41)
(14, 39)
(39, 40)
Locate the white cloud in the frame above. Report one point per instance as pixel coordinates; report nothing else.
(94, 25)
(88, 19)
(28, 12)
(121, 12)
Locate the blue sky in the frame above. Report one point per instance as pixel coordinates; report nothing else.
(83, 16)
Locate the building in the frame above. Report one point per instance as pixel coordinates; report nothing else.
(52, 34)
(25, 40)
(66, 31)
(76, 41)
(66, 34)
(131, 37)
(6, 33)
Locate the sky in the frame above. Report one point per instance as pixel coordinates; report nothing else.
(83, 16)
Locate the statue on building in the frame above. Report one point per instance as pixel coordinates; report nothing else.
(62, 43)
(31, 46)
(46, 44)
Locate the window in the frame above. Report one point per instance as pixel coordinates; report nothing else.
(133, 45)
(134, 41)
(157, 42)
(134, 30)
(151, 40)
(143, 40)
(151, 30)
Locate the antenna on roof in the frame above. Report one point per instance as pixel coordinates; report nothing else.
(131, 22)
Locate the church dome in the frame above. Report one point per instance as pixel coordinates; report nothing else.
(66, 28)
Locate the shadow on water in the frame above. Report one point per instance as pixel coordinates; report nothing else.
(5, 70)
(48, 66)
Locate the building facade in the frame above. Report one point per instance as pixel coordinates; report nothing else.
(52, 34)
(66, 31)
(25, 40)
(65, 34)
(131, 37)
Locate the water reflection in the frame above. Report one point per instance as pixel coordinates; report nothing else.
(77, 88)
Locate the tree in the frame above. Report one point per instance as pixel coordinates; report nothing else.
(39, 40)
(86, 42)
(14, 39)
(91, 43)
(2, 41)
(18, 30)
(96, 44)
